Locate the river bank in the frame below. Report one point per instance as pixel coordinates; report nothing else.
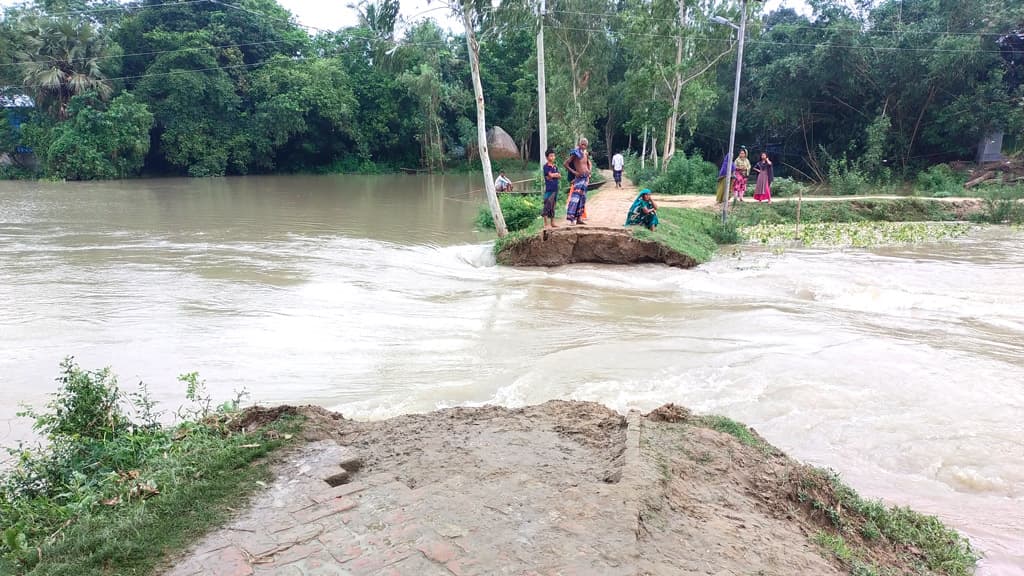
(898, 366)
(561, 488)
(690, 229)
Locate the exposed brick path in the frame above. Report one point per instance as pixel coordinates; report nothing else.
(504, 523)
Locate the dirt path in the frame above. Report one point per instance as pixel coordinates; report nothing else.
(610, 204)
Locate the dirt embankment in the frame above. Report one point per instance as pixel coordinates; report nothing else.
(575, 244)
(561, 488)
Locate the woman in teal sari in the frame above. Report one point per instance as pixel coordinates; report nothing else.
(643, 212)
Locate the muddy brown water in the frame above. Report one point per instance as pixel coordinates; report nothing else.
(902, 368)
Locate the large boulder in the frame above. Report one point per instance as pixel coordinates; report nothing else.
(500, 145)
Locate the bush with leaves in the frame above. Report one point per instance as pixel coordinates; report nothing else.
(686, 175)
(939, 181)
(520, 211)
(100, 141)
(105, 453)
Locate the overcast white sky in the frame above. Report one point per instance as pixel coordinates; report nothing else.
(334, 14)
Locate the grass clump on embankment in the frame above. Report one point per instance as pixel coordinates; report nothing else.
(696, 233)
(866, 537)
(845, 211)
(858, 531)
(114, 491)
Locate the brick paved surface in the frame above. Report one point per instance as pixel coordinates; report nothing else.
(509, 521)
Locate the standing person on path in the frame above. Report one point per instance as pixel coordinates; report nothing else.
(618, 163)
(578, 167)
(551, 177)
(765, 175)
(739, 185)
(720, 188)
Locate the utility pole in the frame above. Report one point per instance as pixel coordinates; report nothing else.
(730, 154)
(542, 88)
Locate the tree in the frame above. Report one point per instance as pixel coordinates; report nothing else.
(63, 58)
(100, 141)
(676, 79)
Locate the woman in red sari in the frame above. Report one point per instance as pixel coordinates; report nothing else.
(763, 169)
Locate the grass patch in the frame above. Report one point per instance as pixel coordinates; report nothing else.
(115, 492)
(737, 430)
(856, 527)
(843, 211)
(691, 232)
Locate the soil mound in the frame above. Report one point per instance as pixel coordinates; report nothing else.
(575, 244)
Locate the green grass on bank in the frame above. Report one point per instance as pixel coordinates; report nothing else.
(695, 233)
(115, 492)
(843, 211)
(866, 536)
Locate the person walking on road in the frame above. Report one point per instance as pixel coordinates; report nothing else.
(618, 163)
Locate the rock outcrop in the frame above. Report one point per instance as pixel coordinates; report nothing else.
(500, 145)
(571, 245)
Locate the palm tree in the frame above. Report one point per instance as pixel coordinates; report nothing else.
(61, 60)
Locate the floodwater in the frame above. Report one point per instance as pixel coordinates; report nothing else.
(901, 368)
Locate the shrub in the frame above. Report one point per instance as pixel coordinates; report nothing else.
(727, 233)
(845, 177)
(1002, 206)
(788, 187)
(111, 473)
(520, 211)
(686, 175)
(939, 181)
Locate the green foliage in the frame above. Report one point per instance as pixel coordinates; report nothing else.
(941, 549)
(686, 175)
(520, 211)
(939, 181)
(882, 210)
(99, 141)
(113, 490)
(783, 187)
(734, 429)
(1003, 206)
(846, 178)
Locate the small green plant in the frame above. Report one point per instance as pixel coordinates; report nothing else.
(111, 473)
(725, 233)
(1002, 206)
(835, 544)
(733, 428)
(519, 210)
(939, 181)
(783, 187)
(845, 177)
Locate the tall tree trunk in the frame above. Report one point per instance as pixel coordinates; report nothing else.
(481, 122)
(608, 135)
(669, 147)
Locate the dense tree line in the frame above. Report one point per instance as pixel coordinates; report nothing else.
(210, 88)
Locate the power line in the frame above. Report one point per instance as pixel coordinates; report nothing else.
(805, 26)
(773, 43)
(122, 8)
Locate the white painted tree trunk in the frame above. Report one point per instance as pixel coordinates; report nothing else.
(481, 123)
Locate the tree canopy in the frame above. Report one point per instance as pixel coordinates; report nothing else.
(212, 88)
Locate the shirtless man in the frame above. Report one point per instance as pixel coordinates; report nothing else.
(578, 167)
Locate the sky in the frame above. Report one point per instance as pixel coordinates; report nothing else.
(334, 14)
